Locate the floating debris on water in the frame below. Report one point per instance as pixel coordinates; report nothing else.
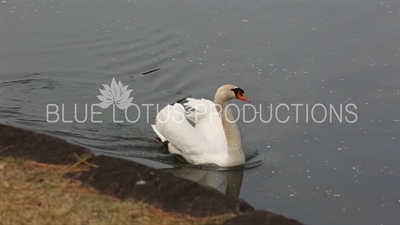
(151, 71)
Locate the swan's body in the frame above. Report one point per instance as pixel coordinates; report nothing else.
(214, 139)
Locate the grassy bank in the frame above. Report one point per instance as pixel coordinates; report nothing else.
(35, 193)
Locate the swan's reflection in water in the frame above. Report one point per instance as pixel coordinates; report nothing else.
(212, 178)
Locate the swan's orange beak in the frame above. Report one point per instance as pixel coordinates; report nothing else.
(242, 97)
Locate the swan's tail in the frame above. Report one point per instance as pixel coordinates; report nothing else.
(167, 115)
(158, 133)
(164, 118)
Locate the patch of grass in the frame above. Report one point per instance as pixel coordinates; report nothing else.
(35, 193)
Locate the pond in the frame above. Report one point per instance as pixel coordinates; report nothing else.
(323, 79)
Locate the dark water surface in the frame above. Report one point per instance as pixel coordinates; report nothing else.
(340, 53)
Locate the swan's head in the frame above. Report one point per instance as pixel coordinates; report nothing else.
(229, 91)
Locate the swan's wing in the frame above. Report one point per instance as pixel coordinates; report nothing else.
(196, 108)
(173, 126)
(205, 115)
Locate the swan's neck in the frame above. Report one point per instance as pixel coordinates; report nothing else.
(232, 133)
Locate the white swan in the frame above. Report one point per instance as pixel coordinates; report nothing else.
(215, 138)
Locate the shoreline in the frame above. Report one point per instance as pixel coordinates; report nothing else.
(128, 180)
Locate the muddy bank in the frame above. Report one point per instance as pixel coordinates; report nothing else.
(124, 179)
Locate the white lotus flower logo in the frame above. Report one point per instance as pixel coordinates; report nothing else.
(116, 94)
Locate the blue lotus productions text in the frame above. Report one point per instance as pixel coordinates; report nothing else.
(248, 113)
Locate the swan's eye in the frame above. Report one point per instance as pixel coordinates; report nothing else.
(238, 91)
(239, 94)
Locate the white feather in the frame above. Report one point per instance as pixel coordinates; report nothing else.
(204, 143)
